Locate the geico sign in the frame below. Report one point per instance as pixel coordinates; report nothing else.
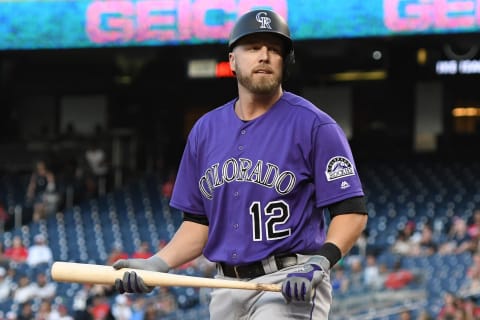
(169, 21)
(403, 15)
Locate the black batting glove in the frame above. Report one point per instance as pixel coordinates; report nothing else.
(131, 281)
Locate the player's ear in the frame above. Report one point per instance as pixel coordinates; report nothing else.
(231, 59)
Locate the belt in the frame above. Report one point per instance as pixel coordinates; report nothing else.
(258, 268)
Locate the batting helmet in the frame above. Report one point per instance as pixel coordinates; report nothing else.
(258, 21)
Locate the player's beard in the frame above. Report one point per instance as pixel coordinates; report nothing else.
(259, 85)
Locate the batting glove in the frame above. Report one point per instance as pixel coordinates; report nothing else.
(133, 283)
(300, 285)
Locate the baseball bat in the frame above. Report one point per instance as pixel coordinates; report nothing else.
(106, 275)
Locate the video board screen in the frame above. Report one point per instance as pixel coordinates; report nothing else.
(52, 24)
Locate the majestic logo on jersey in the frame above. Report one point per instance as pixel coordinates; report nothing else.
(344, 185)
(264, 20)
(339, 167)
(245, 170)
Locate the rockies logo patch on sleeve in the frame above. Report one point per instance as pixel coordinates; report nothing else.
(339, 167)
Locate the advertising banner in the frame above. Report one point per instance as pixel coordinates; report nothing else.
(52, 24)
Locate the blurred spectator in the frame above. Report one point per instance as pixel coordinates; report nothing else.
(356, 274)
(5, 285)
(24, 291)
(427, 245)
(359, 249)
(167, 185)
(116, 253)
(60, 313)
(362, 245)
(402, 244)
(340, 281)
(26, 311)
(4, 217)
(39, 253)
(472, 310)
(44, 311)
(458, 240)
(41, 191)
(138, 308)
(151, 311)
(451, 307)
(121, 309)
(407, 239)
(405, 315)
(4, 260)
(474, 227)
(166, 302)
(100, 308)
(96, 169)
(17, 252)
(12, 273)
(100, 290)
(80, 302)
(424, 315)
(411, 232)
(41, 179)
(143, 251)
(471, 285)
(398, 278)
(43, 288)
(371, 274)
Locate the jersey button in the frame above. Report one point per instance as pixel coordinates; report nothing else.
(235, 194)
(235, 225)
(243, 131)
(240, 147)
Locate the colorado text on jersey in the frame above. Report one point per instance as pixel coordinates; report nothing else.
(242, 169)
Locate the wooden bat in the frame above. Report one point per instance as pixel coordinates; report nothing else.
(106, 275)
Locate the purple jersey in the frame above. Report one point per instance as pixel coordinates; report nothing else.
(263, 183)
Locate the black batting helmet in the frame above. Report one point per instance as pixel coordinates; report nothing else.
(259, 21)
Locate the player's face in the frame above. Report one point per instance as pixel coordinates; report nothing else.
(257, 61)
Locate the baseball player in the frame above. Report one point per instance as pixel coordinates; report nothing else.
(257, 177)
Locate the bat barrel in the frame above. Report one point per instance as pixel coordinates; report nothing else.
(84, 273)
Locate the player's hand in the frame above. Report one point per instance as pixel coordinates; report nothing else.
(299, 285)
(131, 281)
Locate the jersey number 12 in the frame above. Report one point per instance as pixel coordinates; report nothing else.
(276, 214)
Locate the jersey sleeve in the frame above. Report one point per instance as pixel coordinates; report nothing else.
(186, 195)
(336, 176)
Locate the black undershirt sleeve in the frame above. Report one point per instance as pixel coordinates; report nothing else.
(197, 218)
(350, 205)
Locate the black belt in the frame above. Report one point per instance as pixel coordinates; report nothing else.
(256, 269)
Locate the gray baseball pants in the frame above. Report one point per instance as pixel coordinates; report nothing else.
(236, 304)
